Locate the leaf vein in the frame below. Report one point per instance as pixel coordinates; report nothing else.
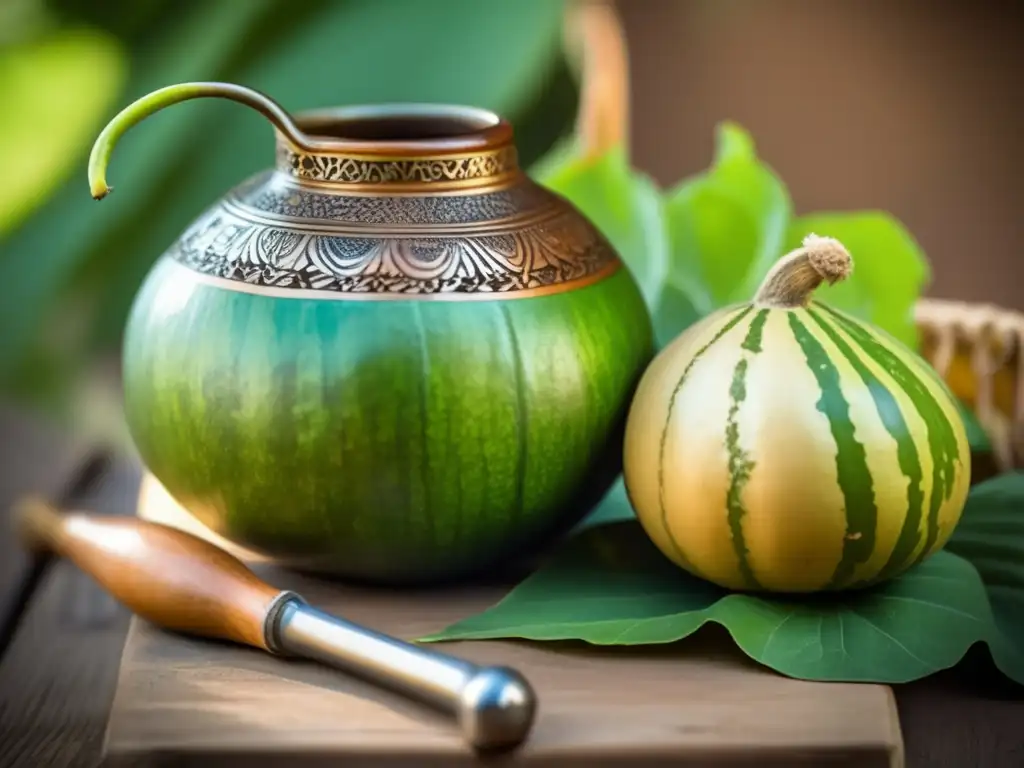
(893, 640)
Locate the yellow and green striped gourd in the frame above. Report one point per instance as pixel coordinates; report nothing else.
(784, 446)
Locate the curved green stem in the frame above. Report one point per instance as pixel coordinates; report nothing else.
(145, 106)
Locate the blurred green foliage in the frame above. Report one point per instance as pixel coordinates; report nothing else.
(66, 66)
(72, 266)
(709, 240)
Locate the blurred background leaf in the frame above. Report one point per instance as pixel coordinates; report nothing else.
(77, 265)
(66, 66)
(728, 225)
(626, 204)
(66, 79)
(710, 240)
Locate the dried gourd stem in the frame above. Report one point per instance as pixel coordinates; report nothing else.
(164, 97)
(603, 118)
(794, 277)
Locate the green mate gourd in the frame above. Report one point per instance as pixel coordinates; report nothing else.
(392, 357)
(782, 445)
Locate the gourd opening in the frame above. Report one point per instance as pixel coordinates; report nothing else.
(399, 147)
(349, 127)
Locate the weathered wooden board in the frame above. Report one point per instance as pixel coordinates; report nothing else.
(57, 676)
(179, 698)
(37, 459)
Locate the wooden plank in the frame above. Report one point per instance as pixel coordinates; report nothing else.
(37, 458)
(963, 718)
(224, 705)
(59, 673)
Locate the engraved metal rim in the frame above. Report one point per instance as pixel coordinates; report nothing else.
(477, 150)
(239, 286)
(484, 130)
(234, 205)
(403, 174)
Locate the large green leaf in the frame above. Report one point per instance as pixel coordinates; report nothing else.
(991, 536)
(610, 586)
(889, 269)
(313, 55)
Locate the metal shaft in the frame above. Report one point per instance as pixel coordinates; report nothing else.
(494, 706)
(181, 582)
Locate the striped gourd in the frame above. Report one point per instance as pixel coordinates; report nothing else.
(782, 445)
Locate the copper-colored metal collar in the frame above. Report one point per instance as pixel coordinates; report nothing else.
(402, 147)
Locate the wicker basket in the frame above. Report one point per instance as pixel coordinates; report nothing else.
(977, 349)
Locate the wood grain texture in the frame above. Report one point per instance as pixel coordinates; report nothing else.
(217, 703)
(37, 458)
(57, 678)
(165, 575)
(962, 718)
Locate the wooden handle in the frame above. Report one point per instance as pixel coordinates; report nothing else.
(164, 575)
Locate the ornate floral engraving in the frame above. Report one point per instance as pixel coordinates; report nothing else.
(358, 170)
(277, 194)
(556, 249)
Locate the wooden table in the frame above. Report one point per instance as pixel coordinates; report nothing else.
(609, 707)
(58, 674)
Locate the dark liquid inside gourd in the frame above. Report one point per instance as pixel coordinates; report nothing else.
(394, 127)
